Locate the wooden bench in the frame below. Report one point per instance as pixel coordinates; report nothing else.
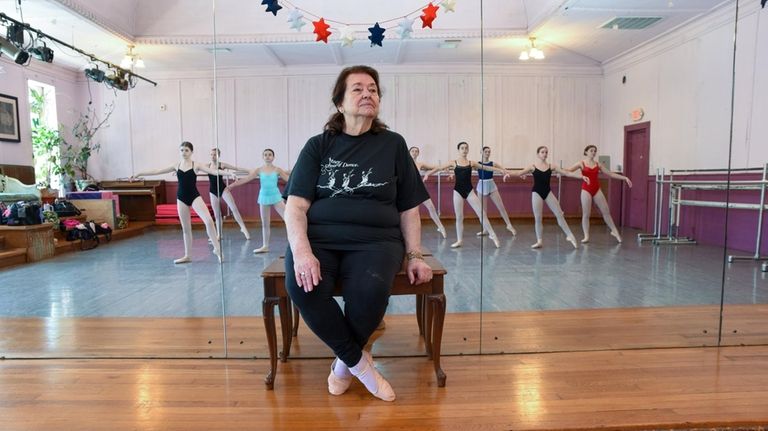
(430, 312)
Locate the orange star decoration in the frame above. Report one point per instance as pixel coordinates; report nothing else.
(430, 13)
(321, 30)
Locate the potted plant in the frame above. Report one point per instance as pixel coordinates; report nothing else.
(75, 156)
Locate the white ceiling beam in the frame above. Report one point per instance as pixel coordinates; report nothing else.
(338, 56)
(400, 52)
(273, 55)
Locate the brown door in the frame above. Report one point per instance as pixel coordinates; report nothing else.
(637, 143)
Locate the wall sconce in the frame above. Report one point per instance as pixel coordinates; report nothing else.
(533, 52)
(132, 60)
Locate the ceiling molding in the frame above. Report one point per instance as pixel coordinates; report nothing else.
(98, 19)
(239, 39)
(431, 69)
(719, 16)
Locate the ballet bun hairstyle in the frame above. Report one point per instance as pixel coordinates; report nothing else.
(188, 145)
(462, 143)
(587, 148)
(270, 150)
(541, 148)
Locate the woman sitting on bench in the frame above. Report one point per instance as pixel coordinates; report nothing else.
(352, 215)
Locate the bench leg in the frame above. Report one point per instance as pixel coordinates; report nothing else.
(420, 313)
(285, 327)
(295, 320)
(268, 310)
(438, 315)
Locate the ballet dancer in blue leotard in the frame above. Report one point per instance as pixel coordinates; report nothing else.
(463, 191)
(187, 196)
(269, 194)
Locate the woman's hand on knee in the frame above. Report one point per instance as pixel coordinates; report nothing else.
(306, 269)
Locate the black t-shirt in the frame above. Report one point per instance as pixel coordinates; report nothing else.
(358, 186)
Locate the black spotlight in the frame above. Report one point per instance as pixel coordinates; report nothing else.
(16, 34)
(13, 52)
(95, 74)
(117, 80)
(42, 53)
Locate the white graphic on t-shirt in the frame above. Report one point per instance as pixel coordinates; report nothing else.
(333, 166)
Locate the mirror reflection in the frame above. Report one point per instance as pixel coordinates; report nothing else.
(577, 156)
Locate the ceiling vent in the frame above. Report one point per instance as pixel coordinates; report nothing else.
(631, 22)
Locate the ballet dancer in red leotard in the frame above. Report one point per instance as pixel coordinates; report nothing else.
(590, 192)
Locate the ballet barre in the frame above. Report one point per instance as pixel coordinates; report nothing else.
(676, 201)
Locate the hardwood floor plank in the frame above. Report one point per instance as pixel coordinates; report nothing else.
(641, 389)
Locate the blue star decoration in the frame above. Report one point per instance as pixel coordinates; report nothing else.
(377, 34)
(272, 6)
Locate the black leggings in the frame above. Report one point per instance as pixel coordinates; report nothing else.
(366, 278)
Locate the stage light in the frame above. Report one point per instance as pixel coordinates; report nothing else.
(13, 52)
(95, 74)
(42, 53)
(117, 80)
(15, 34)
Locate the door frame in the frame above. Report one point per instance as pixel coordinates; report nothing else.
(646, 126)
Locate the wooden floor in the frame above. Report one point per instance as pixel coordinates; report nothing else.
(637, 389)
(465, 333)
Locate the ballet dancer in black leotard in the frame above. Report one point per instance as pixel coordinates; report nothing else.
(219, 191)
(463, 191)
(187, 196)
(541, 192)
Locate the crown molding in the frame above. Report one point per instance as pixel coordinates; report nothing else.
(723, 14)
(98, 19)
(422, 69)
(241, 39)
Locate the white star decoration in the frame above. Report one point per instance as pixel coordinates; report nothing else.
(449, 5)
(347, 36)
(296, 19)
(405, 28)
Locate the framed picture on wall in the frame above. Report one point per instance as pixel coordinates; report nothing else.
(9, 119)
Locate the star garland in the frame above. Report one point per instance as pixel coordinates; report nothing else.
(403, 25)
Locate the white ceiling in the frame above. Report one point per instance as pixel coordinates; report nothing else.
(173, 35)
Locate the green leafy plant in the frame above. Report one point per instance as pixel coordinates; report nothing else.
(122, 221)
(75, 156)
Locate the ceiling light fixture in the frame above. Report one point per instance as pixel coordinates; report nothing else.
(533, 52)
(132, 60)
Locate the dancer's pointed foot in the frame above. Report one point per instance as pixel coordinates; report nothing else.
(262, 249)
(217, 253)
(538, 244)
(370, 377)
(184, 259)
(339, 379)
(512, 229)
(442, 232)
(616, 235)
(457, 244)
(495, 240)
(483, 233)
(245, 232)
(585, 240)
(573, 242)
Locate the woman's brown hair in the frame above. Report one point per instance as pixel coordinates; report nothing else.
(335, 123)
